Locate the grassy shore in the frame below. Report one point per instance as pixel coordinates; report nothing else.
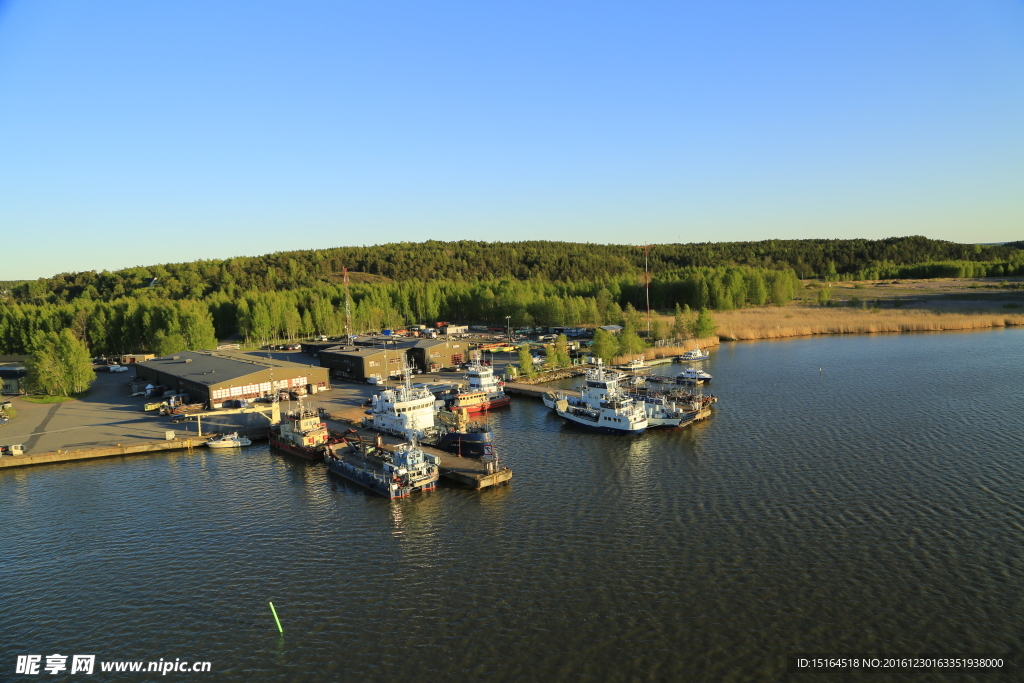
(40, 398)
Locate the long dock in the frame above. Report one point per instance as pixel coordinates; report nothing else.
(534, 390)
(94, 453)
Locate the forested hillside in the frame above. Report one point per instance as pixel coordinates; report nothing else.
(170, 307)
(548, 261)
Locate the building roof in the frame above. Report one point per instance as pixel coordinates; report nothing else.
(350, 351)
(394, 342)
(612, 328)
(214, 367)
(431, 343)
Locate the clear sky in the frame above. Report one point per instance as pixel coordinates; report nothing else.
(134, 133)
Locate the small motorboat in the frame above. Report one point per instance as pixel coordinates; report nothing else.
(695, 354)
(232, 440)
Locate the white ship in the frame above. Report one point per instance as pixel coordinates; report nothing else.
(601, 406)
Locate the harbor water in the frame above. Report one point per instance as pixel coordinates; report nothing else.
(859, 494)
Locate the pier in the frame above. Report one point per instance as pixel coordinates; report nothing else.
(534, 390)
(108, 452)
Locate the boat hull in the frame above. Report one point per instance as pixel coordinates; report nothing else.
(467, 444)
(485, 405)
(306, 453)
(594, 427)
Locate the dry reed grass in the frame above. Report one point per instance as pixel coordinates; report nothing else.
(775, 323)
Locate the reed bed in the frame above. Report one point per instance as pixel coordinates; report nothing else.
(775, 323)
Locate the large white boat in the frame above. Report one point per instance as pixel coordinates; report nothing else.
(407, 410)
(601, 405)
(403, 410)
(694, 354)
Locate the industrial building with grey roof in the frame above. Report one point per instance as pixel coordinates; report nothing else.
(212, 377)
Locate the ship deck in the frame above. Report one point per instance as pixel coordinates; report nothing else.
(471, 472)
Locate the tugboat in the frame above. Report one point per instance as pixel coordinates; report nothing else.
(392, 474)
(302, 432)
(602, 405)
(694, 354)
(485, 392)
(406, 409)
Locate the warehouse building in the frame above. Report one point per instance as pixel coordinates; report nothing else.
(431, 355)
(12, 374)
(213, 377)
(361, 364)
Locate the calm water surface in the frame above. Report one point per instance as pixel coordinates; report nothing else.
(874, 506)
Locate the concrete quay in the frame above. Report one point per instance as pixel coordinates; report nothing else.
(93, 453)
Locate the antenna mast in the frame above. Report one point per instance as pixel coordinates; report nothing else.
(647, 291)
(348, 309)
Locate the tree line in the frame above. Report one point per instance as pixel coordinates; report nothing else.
(162, 326)
(467, 261)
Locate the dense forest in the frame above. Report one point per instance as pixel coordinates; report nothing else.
(170, 307)
(560, 262)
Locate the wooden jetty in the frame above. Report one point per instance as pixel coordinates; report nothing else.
(108, 452)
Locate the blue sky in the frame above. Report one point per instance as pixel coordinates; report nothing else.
(138, 133)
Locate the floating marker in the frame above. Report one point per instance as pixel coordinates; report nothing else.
(274, 612)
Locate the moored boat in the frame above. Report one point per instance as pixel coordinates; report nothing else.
(485, 392)
(692, 376)
(602, 405)
(406, 410)
(302, 432)
(393, 474)
(694, 354)
(232, 440)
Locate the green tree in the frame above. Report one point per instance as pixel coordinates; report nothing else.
(824, 294)
(629, 341)
(704, 325)
(681, 324)
(659, 330)
(526, 361)
(551, 357)
(561, 347)
(59, 364)
(605, 346)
